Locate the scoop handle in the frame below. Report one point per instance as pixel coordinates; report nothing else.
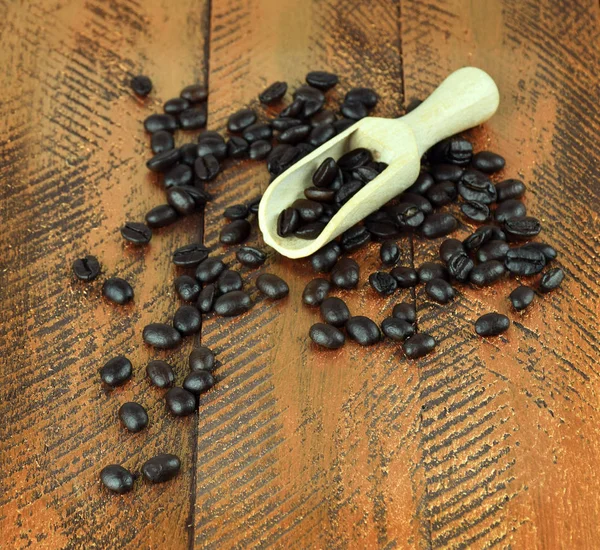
(467, 98)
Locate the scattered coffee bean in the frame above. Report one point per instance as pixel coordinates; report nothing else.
(187, 320)
(482, 235)
(315, 292)
(181, 200)
(432, 270)
(160, 468)
(257, 131)
(406, 277)
(335, 311)
(180, 174)
(208, 270)
(552, 279)
(180, 402)
(446, 172)
(449, 247)
(187, 288)
(117, 290)
(522, 229)
(323, 117)
(354, 110)
(417, 200)
(389, 253)
(116, 371)
(418, 345)
(235, 232)
(240, 120)
(190, 255)
(273, 93)
(510, 208)
(492, 250)
(405, 311)
(193, 118)
(476, 211)
(454, 150)
(487, 162)
(232, 304)
(363, 330)
(460, 266)
(162, 141)
(250, 257)
(136, 233)
(327, 336)
(367, 96)
(383, 283)
(133, 416)
(442, 193)
(194, 93)
(198, 382)
(487, 273)
(202, 358)
(176, 105)
(284, 123)
(236, 212)
(476, 186)
(397, 329)
(521, 297)
(260, 149)
(163, 161)
(141, 85)
(293, 110)
(206, 167)
(229, 281)
(525, 260)
(491, 324)
(87, 268)
(510, 189)
(438, 225)
(161, 336)
(324, 259)
(406, 215)
(160, 373)
(422, 184)
(272, 286)
(188, 153)
(345, 273)
(440, 290)
(321, 134)
(321, 80)
(206, 298)
(212, 143)
(158, 122)
(114, 477)
(355, 237)
(237, 147)
(548, 251)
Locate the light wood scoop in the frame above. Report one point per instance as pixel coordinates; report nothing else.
(466, 98)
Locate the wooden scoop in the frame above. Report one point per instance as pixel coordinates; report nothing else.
(465, 99)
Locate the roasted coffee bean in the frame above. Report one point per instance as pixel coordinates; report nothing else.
(232, 304)
(241, 119)
(454, 150)
(442, 193)
(345, 273)
(208, 270)
(206, 298)
(176, 105)
(319, 194)
(133, 417)
(257, 131)
(382, 230)
(440, 290)
(212, 144)
(187, 320)
(180, 174)
(432, 270)
(116, 478)
(347, 191)
(284, 123)
(162, 141)
(187, 288)
(190, 255)
(321, 80)
(237, 147)
(136, 233)
(206, 167)
(355, 158)
(272, 286)
(273, 93)
(117, 290)
(487, 162)
(250, 257)
(476, 186)
(188, 153)
(383, 283)
(354, 110)
(363, 330)
(158, 122)
(181, 200)
(476, 211)
(364, 174)
(235, 232)
(141, 85)
(510, 189)
(548, 251)
(309, 211)
(449, 247)
(343, 124)
(491, 324)
(198, 382)
(202, 358)
(193, 118)
(405, 311)
(309, 231)
(509, 209)
(323, 118)
(325, 259)
(335, 311)
(487, 273)
(274, 159)
(163, 161)
(389, 253)
(397, 329)
(229, 281)
(253, 205)
(364, 95)
(160, 373)
(116, 371)
(194, 93)
(293, 110)
(482, 235)
(525, 260)
(492, 250)
(315, 292)
(406, 277)
(327, 336)
(309, 94)
(460, 265)
(160, 468)
(422, 184)
(438, 225)
(260, 149)
(87, 268)
(419, 201)
(288, 221)
(355, 237)
(180, 402)
(446, 172)
(551, 279)
(295, 134)
(161, 336)
(521, 297)
(321, 134)
(418, 345)
(236, 212)
(406, 215)
(522, 229)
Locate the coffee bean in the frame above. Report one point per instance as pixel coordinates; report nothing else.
(383, 283)
(364, 95)
(321, 134)
(141, 85)
(449, 247)
(389, 253)
(187, 320)
(525, 260)
(180, 174)
(355, 158)
(232, 304)
(287, 222)
(334, 311)
(354, 238)
(136, 233)
(438, 225)
(318, 194)
(198, 382)
(476, 211)
(272, 286)
(116, 371)
(237, 147)
(324, 259)
(422, 184)
(446, 172)
(406, 215)
(522, 229)
(241, 119)
(158, 122)
(487, 162)
(295, 134)
(397, 329)
(442, 193)
(187, 288)
(190, 255)
(236, 212)
(162, 141)
(195, 93)
(87, 268)
(460, 266)
(551, 280)
(312, 97)
(491, 324)
(202, 359)
(510, 189)
(206, 167)
(193, 118)
(309, 231)
(114, 477)
(250, 257)
(354, 110)
(199, 196)
(323, 118)
(509, 209)
(364, 174)
(482, 235)
(161, 335)
(235, 232)
(493, 250)
(209, 269)
(382, 230)
(260, 149)
(315, 292)
(476, 186)
(345, 273)
(273, 93)
(363, 330)
(293, 110)
(347, 191)
(343, 124)
(521, 297)
(309, 211)
(133, 417)
(420, 202)
(176, 105)
(405, 311)
(162, 467)
(487, 273)
(212, 143)
(548, 251)
(117, 290)
(284, 123)
(406, 277)
(188, 153)
(321, 80)
(432, 270)
(161, 162)
(440, 290)
(229, 281)
(181, 200)
(327, 336)
(454, 150)
(180, 402)
(418, 345)
(257, 131)
(206, 298)
(160, 373)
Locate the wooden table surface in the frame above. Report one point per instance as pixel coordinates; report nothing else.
(480, 444)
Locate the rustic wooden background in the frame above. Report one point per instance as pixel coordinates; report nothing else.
(481, 444)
